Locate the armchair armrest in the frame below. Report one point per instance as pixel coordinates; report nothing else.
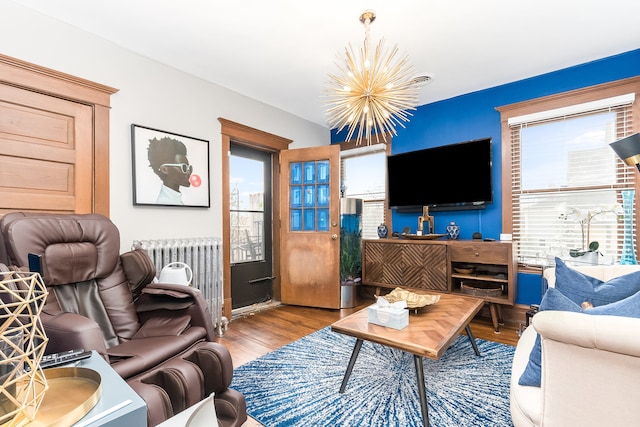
(590, 368)
(69, 331)
(609, 333)
(169, 296)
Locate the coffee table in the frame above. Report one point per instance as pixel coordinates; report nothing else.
(430, 332)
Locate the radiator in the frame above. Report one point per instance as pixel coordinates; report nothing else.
(204, 256)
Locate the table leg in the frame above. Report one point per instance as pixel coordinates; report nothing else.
(421, 389)
(496, 316)
(473, 340)
(352, 361)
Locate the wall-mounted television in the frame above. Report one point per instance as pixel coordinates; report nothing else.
(448, 177)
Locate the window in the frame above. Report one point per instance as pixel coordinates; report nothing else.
(363, 176)
(563, 185)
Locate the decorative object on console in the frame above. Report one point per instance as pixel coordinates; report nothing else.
(453, 230)
(476, 236)
(429, 220)
(383, 230)
(22, 344)
(422, 236)
(374, 90)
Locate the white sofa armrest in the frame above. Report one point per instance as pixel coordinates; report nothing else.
(590, 369)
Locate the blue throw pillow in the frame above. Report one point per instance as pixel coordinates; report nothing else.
(579, 287)
(555, 300)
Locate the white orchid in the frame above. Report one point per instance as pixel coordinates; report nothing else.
(586, 217)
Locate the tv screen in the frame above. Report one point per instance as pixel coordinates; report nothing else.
(449, 177)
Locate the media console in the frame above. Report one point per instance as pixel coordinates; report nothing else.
(445, 266)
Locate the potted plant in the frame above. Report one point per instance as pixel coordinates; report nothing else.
(589, 250)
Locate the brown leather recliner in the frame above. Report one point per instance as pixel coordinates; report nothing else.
(158, 337)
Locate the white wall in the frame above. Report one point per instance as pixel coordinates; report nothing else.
(153, 95)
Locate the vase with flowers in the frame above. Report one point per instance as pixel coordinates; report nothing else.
(589, 250)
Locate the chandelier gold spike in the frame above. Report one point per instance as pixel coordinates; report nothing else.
(373, 92)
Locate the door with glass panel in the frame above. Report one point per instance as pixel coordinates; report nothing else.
(310, 229)
(250, 226)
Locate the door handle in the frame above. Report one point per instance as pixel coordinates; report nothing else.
(334, 236)
(261, 279)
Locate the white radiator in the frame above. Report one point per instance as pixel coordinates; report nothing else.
(204, 256)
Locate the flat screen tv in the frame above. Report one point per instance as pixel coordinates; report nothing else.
(449, 177)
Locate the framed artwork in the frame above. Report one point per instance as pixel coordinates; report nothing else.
(169, 169)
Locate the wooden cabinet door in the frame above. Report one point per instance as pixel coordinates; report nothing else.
(391, 263)
(46, 153)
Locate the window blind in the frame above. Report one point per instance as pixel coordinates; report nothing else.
(567, 183)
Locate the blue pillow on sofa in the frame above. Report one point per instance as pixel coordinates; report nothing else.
(564, 297)
(579, 287)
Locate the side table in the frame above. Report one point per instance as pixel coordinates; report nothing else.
(119, 405)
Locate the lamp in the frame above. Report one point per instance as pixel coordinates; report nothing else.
(374, 92)
(628, 149)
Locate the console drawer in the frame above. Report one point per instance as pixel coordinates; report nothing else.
(481, 252)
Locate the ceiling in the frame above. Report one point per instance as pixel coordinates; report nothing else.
(281, 51)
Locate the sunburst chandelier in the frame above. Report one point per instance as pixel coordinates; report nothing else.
(373, 93)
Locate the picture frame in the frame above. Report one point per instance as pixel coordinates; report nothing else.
(169, 169)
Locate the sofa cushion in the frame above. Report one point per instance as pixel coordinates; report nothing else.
(579, 287)
(554, 299)
(628, 307)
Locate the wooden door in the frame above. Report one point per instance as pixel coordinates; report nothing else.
(310, 227)
(46, 153)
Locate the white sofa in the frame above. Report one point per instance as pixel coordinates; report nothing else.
(590, 366)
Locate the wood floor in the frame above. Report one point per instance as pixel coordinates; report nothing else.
(257, 333)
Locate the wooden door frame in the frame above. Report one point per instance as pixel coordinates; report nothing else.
(35, 78)
(239, 134)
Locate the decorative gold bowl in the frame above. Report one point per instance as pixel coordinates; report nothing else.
(413, 300)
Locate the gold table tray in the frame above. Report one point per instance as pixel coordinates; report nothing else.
(72, 393)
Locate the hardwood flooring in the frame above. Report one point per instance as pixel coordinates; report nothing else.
(256, 333)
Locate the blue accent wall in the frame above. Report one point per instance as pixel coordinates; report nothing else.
(474, 116)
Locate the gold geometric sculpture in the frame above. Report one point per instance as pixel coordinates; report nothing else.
(22, 345)
(373, 93)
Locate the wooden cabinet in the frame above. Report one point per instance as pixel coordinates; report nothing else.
(392, 262)
(444, 266)
(484, 263)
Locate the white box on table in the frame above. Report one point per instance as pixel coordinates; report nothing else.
(396, 318)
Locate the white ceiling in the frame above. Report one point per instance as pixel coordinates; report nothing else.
(280, 51)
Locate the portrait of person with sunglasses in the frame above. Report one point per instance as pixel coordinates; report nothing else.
(168, 159)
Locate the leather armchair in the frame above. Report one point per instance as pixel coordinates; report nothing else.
(158, 337)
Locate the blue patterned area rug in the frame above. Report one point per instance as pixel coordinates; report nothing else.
(297, 385)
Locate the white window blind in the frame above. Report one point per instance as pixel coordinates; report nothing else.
(567, 183)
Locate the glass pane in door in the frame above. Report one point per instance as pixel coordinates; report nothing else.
(246, 209)
(309, 196)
